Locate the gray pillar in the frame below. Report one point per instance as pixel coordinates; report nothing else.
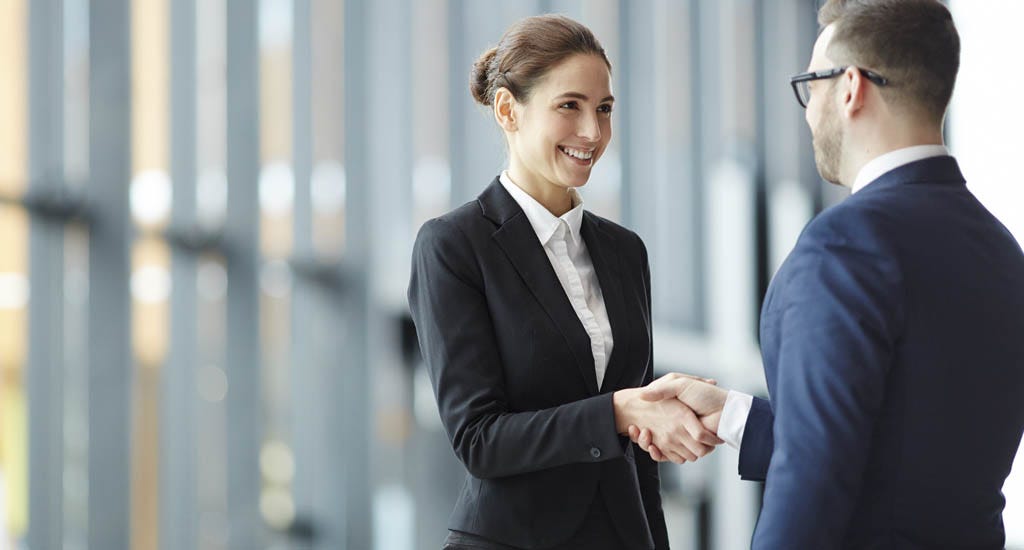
(478, 151)
(458, 95)
(355, 397)
(302, 127)
(659, 123)
(633, 131)
(728, 72)
(787, 34)
(179, 503)
(110, 359)
(46, 267)
(390, 244)
(241, 241)
(305, 405)
(318, 443)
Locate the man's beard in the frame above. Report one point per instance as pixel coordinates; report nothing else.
(828, 145)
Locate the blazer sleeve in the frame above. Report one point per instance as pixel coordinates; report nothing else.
(646, 467)
(758, 441)
(840, 320)
(448, 301)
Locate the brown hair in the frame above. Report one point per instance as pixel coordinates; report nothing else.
(912, 43)
(526, 52)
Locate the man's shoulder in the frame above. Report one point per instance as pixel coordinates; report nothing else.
(851, 237)
(857, 221)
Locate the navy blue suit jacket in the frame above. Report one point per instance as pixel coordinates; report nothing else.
(893, 347)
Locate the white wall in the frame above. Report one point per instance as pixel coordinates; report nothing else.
(986, 122)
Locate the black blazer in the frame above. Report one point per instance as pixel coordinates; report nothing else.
(513, 373)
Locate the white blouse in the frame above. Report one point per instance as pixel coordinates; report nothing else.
(567, 252)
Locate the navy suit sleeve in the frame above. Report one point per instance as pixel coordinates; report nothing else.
(646, 467)
(758, 441)
(840, 318)
(457, 337)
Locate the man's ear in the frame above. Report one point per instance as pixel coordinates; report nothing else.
(856, 91)
(505, 110)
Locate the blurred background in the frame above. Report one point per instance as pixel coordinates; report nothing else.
(207, 209)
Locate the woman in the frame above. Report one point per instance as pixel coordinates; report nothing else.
(534, 319)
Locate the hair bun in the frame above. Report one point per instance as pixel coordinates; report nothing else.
(480, 78)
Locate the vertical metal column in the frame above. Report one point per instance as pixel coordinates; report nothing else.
(46, 268)
(727, 74)
(390, 244)
(697, 154)
(660, 131)
(304, 404)
(478, 151)
(390, 138)
(110, 360)
(635, 126)
(621, 116)
(433, 474)
(241, 237)
(787, 33)
(318, 486)
(807, 31)
(458, 80)
(356, 301)
(179, 504)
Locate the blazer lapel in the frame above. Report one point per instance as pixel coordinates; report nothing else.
(602, 246)
(516, 238)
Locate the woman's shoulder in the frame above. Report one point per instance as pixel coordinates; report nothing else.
(620, 233)
(458, 225)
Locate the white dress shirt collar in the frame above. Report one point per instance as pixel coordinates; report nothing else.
(544, 223)
(881, 164)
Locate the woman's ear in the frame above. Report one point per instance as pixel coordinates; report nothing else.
(505, 109)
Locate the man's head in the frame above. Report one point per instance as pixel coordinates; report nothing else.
(913, 46)
(913, 43)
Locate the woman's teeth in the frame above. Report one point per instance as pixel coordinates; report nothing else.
(576, 153)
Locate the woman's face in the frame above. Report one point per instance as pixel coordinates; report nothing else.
(565, 125)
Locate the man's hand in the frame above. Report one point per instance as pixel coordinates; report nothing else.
(672, 426)
(701, 396)
(704, 398)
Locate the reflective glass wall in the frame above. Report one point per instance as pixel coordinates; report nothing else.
(207, 210)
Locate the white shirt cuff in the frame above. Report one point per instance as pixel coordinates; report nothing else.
(734, 418)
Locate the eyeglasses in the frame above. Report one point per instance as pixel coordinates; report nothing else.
(803, 92)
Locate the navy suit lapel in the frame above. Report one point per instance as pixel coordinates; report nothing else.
(608, 266)
(516, 238)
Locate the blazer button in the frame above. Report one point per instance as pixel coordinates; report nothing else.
(595, 452)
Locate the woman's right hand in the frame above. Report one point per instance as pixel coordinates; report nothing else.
(675, 429)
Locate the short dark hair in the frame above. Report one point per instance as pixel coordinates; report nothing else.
(913, 43)
(526, 52)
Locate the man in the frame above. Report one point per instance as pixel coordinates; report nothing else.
(893, 335)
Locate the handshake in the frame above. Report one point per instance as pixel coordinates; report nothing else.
(673, 418)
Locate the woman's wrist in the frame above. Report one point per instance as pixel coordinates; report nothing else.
(624, 403)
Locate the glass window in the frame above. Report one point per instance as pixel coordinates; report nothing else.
(328, 181)
(14, 282)
(150, 197)
(986, 146)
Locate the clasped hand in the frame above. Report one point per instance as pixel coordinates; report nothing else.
(674, 418)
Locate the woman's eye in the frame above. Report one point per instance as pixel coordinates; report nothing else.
(606, 109)
(568, 105)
